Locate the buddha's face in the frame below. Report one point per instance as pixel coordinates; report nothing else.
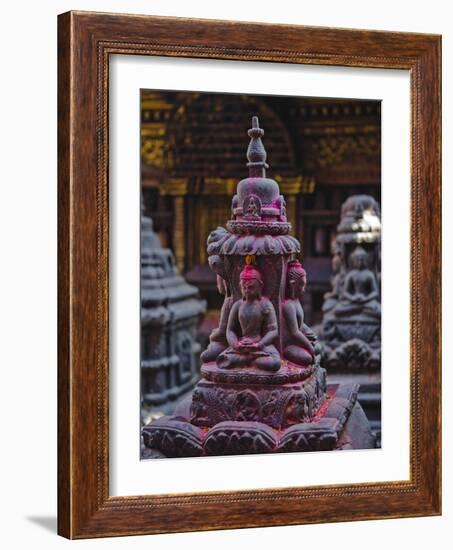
(297, 286)
(359, 260)
(251, 288)
(252, 207)
(300, 286)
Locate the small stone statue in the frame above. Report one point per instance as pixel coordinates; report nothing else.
(350, 333)
(252, 207)
(262, 388)
(218, 340)
(297, 347)
(360, 291)
(331, 298)
(252, 327)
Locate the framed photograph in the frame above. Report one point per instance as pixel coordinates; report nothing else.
(249, 275)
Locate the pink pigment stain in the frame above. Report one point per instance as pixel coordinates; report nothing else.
(330, 394)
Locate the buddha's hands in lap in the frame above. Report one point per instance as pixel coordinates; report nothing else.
(248, 345)
(360, 298)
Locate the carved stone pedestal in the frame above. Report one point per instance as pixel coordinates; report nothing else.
(279, 399)
(266, 420)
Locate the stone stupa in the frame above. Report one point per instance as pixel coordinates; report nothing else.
(171, 310)
(262, 389)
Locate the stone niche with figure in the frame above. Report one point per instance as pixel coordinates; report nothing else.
(351, 328)
(350, 332)
(262, 388)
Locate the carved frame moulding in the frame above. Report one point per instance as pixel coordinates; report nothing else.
(85, 506)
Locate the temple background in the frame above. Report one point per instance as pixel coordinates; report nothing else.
(321, 151)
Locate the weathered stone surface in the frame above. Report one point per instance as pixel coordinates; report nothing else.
(277, 405)
(170, 312)
(356, 433)
(174, 437)
(341, 405)
(340, 424)
(287, 374)
(231, 438)
(311, 436)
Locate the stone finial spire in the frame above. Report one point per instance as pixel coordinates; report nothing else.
(256, 154)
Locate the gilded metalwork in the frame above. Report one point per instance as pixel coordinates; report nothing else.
(333, 149)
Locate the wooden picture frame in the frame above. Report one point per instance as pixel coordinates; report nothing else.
(85, 41)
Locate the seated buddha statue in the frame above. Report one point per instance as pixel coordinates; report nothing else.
(297, 345)
(252, 327)
(360, 293)
(217, 339)
(331, 298)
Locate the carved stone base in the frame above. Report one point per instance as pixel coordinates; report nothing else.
(352, 356)
(337, 330)
(278, 400)
(176, 436)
